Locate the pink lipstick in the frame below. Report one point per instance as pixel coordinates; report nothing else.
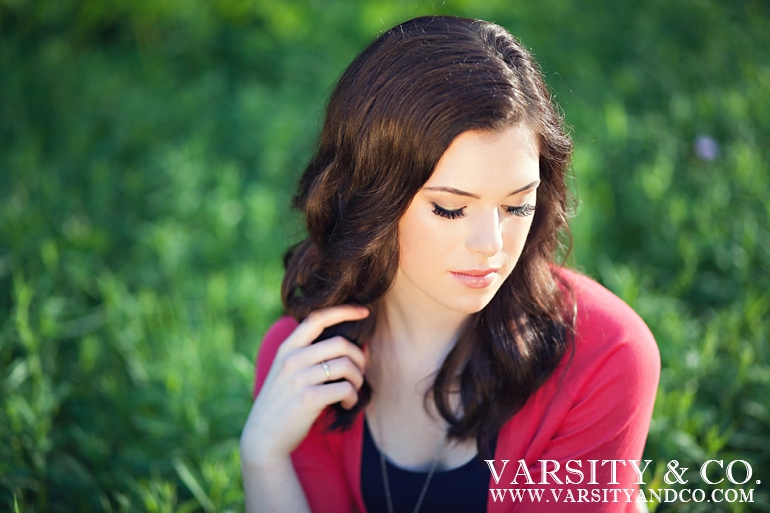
(475, 278)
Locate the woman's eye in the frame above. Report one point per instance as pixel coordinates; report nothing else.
(523, 211)
(449, 214)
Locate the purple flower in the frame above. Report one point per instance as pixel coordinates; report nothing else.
(706, 148)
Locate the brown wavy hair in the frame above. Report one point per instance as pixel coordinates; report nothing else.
(392, 115)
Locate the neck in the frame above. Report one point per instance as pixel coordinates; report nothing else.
(414, 333)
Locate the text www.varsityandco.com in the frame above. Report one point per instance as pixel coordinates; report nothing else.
(577, 495)
(575, 472)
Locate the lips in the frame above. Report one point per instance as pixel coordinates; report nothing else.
(475, 278)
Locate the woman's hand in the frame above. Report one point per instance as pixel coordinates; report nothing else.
(296, 389)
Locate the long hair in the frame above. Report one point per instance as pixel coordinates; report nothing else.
(392, 115)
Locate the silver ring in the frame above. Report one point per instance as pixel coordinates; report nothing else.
(326, 370)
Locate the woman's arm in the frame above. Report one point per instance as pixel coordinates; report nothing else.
(608, 421)
(292, 390)
(596, 410)
(272, 486)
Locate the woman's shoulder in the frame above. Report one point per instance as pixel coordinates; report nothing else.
(278, 332)
(598, 403)
(275, 335)
(608, 331)
(600, 310)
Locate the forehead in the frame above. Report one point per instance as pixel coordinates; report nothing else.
(503, 158)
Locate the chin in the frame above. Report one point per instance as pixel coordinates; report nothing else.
(471, 305)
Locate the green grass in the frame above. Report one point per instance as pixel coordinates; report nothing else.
(148, 152)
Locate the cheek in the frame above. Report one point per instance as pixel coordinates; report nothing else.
(422, 240)
(409, 239)
(516, 236)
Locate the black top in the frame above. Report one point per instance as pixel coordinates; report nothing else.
(463, 489)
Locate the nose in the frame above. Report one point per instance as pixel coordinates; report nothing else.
(486, 236)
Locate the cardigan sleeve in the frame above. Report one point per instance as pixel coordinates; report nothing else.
(319, 469)
(607, 397)
(607, 422)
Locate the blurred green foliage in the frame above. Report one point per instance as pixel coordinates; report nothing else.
(148, 151)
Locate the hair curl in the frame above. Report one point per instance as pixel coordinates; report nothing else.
(392, 115)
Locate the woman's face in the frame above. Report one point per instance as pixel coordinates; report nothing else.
(465, 229)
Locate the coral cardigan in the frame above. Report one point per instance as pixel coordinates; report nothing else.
(595, 407)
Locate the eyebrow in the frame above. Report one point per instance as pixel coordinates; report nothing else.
(458, 192)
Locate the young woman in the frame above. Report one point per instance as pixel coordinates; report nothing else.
(428, 327)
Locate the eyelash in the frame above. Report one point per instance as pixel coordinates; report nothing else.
(522, 211)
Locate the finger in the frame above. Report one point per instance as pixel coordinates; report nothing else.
(339, 368)
(329, 349)
(314, 324)
(341, 392)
